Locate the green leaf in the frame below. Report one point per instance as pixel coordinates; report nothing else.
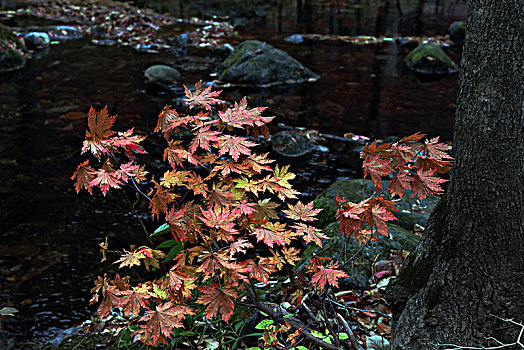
(342, 336)
(264, 324)
(167, 244)
(254, 348)
(317, 334)
(162, 229)
(8, 311)
(173, 252)
(288, 315)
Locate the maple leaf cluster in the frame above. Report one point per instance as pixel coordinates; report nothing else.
(220, 203)
(409, 165)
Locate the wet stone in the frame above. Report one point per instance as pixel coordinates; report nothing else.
(430, 59)
(162, 75)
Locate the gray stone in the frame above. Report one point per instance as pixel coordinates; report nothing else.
(162, 75)
(457, 31)
(37, 40)
(257, 63)
(430, 59)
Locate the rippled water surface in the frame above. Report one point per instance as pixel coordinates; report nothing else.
(49, 234)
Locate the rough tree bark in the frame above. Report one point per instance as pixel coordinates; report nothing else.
(470, 263)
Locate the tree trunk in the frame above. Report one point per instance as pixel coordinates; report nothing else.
(470, 263)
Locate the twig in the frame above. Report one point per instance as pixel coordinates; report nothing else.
(357, 309)
(278, 313)
(349, 331)
(518, 342)
(358, 252)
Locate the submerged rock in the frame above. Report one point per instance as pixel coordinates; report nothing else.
(37, 40)
(429, 58)
(11, 50)
(295, 39)
(162, 75)
(257, 63)
(457, 31)
(294, 143)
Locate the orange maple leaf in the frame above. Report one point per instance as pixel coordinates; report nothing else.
(302, 212)
(217, 300)
(83, 175)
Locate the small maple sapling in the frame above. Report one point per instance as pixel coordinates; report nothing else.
(220, 204)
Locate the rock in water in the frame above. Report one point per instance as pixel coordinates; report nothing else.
(37, 40)
(457, 31)
(162, 75)
(11, 50)
(257, 63)
(429, 58)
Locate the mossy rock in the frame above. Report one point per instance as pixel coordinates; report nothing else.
(356, 190)
(430, 59)
(359, 270)
(457, 31)
(11, 50)
(258, 63)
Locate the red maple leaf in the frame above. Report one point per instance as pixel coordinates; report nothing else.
(425, 182)
(262, 269)
(162, 321)
(302, 212)
(160, 200)
(169, 120)
(217, 300)
(99, 131)
(328, 275)
(213, 262)
(202, 139)
(219, 218)
(106, 177)
(377, 215)
(132, 300)
(399, 183)
(201, 97)
(239, 246)
(376, 167)
(240, 116)
(129, 142)
(436, 150)
(273, 233)
(83, 175)
(176, 154)
(234, 146)
(309, 233)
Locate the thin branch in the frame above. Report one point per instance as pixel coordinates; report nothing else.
(350, 333)
(518, 342)
(278, 313)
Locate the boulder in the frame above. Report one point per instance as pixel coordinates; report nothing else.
(162, 75)
(355, 190)
(37, 40)
(457, 31)
(11, 50)
(257, 63)
(359, 270)
(430, 59)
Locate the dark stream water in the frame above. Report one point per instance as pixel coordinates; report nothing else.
(49, 234)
